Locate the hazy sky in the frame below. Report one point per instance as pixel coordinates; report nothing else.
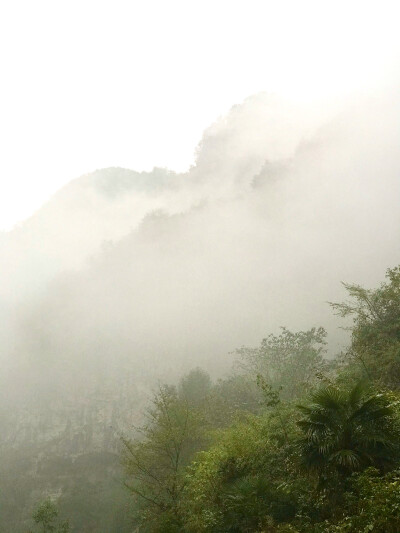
(90, 84)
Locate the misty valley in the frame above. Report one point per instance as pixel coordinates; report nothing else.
(216, 350)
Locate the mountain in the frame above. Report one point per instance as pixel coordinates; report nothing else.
(125, 278)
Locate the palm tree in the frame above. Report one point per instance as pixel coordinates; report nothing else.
(347, 430)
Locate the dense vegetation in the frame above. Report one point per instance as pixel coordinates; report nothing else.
(292, 441)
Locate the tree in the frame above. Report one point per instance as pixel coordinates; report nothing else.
(344, 431)
(289, 361)
(245, 482)
(45, 516)
(195, 387)
(154, 464)
(372, 504)
(376, 328)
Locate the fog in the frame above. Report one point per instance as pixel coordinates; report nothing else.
(126, 278)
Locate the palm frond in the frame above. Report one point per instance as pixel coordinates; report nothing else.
(346, 429)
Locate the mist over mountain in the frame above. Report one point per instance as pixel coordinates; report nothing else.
(278, 205)
(125, 278)
(181, 268)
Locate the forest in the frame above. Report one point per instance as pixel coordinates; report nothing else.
(170, 359)
(292, 440)
(199, 267)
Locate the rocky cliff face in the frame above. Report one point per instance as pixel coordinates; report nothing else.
(63, 449)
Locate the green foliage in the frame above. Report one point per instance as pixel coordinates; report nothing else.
(375, 342)
(273, 467)
(371, 504)
(346, 430)
(232, 397)
(154, 464)
(271, 396)
(289, 361)
(244, 482)
(46, 517)
(195, 387)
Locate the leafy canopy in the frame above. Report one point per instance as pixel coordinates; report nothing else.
(375, 337)
(346, 430)
(46, 517)
(289, 361)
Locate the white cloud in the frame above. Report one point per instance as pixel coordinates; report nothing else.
(94, 84)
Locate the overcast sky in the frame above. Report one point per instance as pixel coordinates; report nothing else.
(90, 84)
